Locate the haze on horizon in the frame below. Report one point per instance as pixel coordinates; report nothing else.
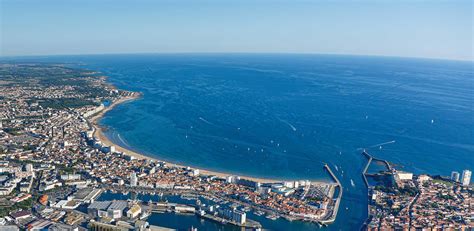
(434, 29)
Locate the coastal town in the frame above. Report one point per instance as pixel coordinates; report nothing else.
(400, 200)
(55, 162)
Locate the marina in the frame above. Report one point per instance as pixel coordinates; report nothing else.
(163, 206)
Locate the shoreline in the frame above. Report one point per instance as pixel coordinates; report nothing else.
(100, 135)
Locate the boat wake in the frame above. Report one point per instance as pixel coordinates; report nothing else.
(205, 121)
(379, 145)
(382, 144)
(122, 140)
(290, 125)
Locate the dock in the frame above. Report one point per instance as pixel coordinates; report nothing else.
(333, 216)
(249, 224)
(370, 158)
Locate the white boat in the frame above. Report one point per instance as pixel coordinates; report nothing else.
(272, 217)
(259, 213)
(144, 215)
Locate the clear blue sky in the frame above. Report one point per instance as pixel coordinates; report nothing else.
(433, 29)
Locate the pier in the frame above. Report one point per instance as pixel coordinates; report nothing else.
(184, 209)
(370, 158)
(333, 216)
(249, 224)
(369, 161)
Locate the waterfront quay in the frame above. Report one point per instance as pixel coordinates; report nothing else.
(150, 207)
(332, 217)
(53, 167)
(215, 213)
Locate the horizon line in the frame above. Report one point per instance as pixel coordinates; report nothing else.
(237, 52)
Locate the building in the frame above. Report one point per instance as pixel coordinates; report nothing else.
(466, 177)
(21, 197)
(43, 199)
(423, 178)
(71, 177)
(26, 184)
(41, 224)
(249, 183)
(87, 195)
(22, 214)
(234, 215)
(29, 167)
(9, 228)
(404, 175)
(116, 209)
(231, 179)
(98, 208)
(62, 227)
(133, 179)
(99, 226)
(134, 211)
(455, 176)
(239, 216)
(194, 172)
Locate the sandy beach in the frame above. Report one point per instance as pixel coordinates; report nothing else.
(99, 134)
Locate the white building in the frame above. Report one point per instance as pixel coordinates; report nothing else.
(239, 217)
(116, 209)
(404, 175)
(234, 215)
(291, 184)
(133, 179)
(71, 177)
(29, 167)
(466, 177)
(423, 178)
(194, 172)
(231, 179)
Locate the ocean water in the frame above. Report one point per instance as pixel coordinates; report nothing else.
(283, 116)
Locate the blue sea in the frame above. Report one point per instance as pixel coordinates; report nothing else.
(284, 116)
